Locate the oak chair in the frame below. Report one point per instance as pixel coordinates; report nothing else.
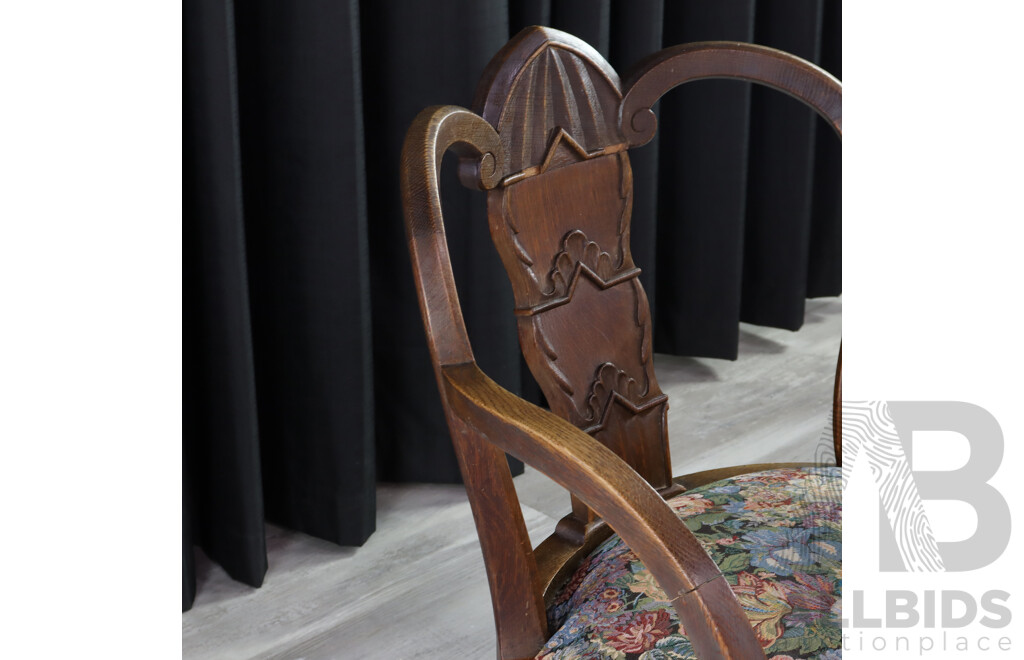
(548, 139)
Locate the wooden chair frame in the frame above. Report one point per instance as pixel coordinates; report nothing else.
(486, 421)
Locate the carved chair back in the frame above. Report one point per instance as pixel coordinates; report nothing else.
(560, 219)
(548, 140)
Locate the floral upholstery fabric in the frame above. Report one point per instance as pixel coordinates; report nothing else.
(777, 537)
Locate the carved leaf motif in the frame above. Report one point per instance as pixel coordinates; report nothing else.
(577, 248)
(526, 263)
(549, 352)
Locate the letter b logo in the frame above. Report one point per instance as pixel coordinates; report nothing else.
(880, 433)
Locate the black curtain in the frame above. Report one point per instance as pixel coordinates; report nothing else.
(306, 373)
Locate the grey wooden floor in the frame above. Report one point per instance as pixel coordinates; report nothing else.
(416, 589)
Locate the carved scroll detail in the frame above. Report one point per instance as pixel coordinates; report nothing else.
(577, 249)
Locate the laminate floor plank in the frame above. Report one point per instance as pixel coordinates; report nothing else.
(416, 589)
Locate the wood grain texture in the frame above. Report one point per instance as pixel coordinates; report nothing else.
(518, 605)
(561, 223)
(479, 411)
(837, 410)
(542, 83)
(697, 479)
(433, 132)
(707, 608)
(773, 68)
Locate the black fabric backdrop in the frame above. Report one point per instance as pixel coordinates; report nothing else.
(306, 373)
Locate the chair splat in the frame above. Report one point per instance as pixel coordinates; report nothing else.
(560, 220)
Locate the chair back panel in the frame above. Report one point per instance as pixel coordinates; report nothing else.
(560, 220)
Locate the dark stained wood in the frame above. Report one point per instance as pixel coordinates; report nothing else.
(561, 220)
(559, 554)
(784, 72)
(519, 613)
(544, 80)
(837, 410)
(549, 146)
(674, 66)
(697, 479)
(707, 608)
(433, 132)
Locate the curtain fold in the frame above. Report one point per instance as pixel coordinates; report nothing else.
(222, 485)
(781, 175)
(302, 171)
(704, 132)
(825, 255)
(419, 54)
(307, 376)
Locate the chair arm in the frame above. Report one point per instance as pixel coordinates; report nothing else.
(710, 614)
(837, 410)
(434, 131)
(702, 60)
(787, 73)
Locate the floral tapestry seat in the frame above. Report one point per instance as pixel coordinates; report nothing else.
(777, 537)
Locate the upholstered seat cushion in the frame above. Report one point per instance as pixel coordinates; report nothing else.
(777, 537)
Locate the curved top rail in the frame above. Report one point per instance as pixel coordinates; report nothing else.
(702, 60)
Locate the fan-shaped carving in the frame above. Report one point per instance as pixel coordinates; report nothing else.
(556, 90)
(545, 81)
(577, 249)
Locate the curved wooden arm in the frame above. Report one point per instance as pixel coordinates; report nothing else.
(520, 617)
(674, 66)
(782, 71)
(710, 613)
(435, 130)
(837, 410)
